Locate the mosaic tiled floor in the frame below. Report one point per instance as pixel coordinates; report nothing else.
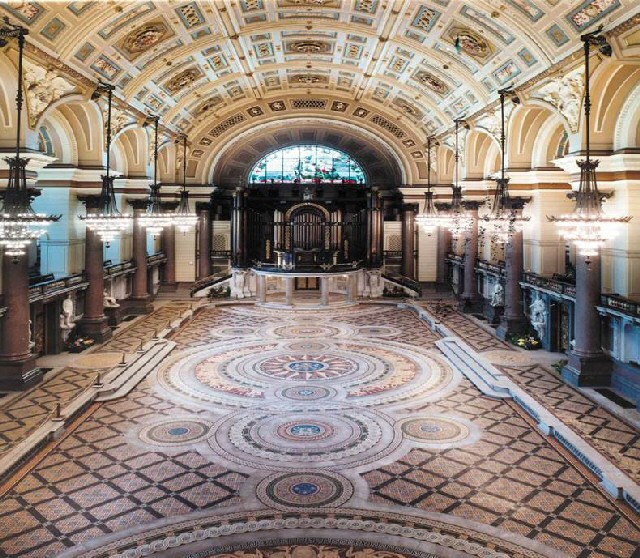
(298, 434)
(604, 431)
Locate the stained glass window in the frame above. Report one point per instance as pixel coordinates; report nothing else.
(307, 164)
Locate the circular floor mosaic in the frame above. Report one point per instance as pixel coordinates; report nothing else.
(296, 331)
(175, 432)
(306, 393)
(307, 366)
(304, 490)
(312, 438)
(435, 430)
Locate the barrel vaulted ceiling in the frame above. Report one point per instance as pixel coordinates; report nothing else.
(208, 66)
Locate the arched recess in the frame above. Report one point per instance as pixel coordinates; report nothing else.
(483, 154)
(8, 90)
(63, 145)
(233, 161)
(611, 85)
(80, 123)
(167, 171)
(550, 143)
(627, 133)
(130, 152)
(445, 164)
(523, 129)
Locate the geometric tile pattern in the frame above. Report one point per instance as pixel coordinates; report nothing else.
(305, 446)
(611, 436)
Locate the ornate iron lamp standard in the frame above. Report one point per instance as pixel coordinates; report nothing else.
(105, 219)
(588, 227)
(19, 223)
(429, 219)
(504, 220)
(459, 222)
(184, 218)
(154, 220)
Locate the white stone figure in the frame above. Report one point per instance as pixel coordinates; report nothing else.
(374, 283)
(538, 316)
(497, 298)
(68, 313)
(108, 301)
(238, 283)
(65, 326)
(32, 343)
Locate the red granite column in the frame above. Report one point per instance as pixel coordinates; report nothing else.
(94, 323)
(18, 369)
(204, 240)
(408, 240)
(168, 247)
(513, 320)
(444, 247)
(470, 299)
(139, 302)
(588, 365)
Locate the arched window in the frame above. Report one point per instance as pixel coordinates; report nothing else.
(307, 164)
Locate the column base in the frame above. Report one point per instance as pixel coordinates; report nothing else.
(492, 313)
(588, 371)
(19, 374)
(139, 306)
(470, 305)
(510, 326)
(114, 314)
(96, 328)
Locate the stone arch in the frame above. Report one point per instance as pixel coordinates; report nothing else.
(611, 85)
(132, 157)
(483, 154)
(523, 130)
(627, 132)
(63, 141)
(384, 165)
(445, 163)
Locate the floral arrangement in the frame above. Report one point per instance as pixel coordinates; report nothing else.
(528, 341)
(80, 344)
(220, 292)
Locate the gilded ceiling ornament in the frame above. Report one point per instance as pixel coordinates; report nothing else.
(432, 82)
(43, 87)
(309, 47)
(308, 79)
(143, 38)
(470, 42)
(326, 3)
(183, 79)
(565, 95)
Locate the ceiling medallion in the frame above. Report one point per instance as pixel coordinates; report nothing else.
(310, 47)
(308, 79)
(183, 79)
(308, 2)
(141, 39)
(470, 42)
(432, 82)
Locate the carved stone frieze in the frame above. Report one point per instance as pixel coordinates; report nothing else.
(43, 86)
(564, 94)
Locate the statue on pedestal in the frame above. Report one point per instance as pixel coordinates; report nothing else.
(238, 283)
(108, 301)
(497, 298)
(538, 316)
(67, 318)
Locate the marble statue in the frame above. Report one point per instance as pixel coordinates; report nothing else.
(108, 300)
(497, 298)
(68, 313)
(238, 283)
(373, 284)
(32, 342)
(538, 316)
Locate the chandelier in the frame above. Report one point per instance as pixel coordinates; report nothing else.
(184, 218)
(429, 219)
(19, 223)
(154, 220)
(106, 220)
(459, 223)
(504, 220)
(588, 227)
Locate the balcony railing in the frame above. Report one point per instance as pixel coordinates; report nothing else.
(48, 290)
(489, 268)
(621, 305)
(549, 284)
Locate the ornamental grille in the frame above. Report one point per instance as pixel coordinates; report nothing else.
(389, 126)
(226, 124)
(309, 103)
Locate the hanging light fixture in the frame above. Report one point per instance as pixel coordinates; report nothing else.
(588, 227)
(155, 219)
(106, 220)
(429, 219)
(19, 223)
(459, 222)
(504, 220)
(184, 219)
